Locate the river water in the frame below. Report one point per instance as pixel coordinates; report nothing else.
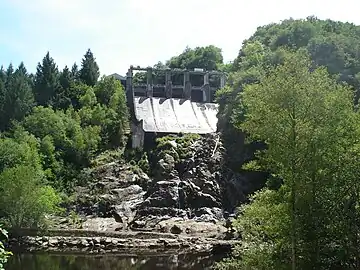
(48, 261)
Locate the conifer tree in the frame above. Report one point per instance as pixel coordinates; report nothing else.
(46, 81)
(65, 78)
(2, 92)
(17, 96)
(62, 96)
(89, 72)
(75, 72)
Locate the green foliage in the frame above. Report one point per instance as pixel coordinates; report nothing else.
(332, 44)
(78, 117)
(46, 83)
(4, 255)
(89, 72)
(209, 58)
(264, 227)
(75, 72)
(105, 106)
(67, 93)
(24, 200)
(175, 146)
(55, 124)
(329, 43)
(16, 97)
(74, 219)
(310, 128)
(135, 168)
(20, 150)
(64, 144)
(138, 159)
(144, 163)
(107, 157)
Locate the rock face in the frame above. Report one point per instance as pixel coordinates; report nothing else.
(112, 198)
(192, 183)
(189, 184)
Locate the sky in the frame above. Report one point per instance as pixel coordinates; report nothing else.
(142, 32)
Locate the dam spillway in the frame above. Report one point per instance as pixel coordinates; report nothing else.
(175, 115)
(182, 101)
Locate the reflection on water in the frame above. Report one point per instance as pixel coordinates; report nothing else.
(44, 261)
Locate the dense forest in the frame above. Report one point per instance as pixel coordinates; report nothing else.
(290, 108)
(53, 124)
(294, 91)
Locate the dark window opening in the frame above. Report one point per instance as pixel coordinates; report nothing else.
(177, 93)
(158, 92)
(177, 79)
(140, 94)
(159, 78)
(197, 80)
(197, 96)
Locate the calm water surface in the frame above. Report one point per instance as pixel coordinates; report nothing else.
(46, 261)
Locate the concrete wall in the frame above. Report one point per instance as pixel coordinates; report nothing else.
(138, 135)
(175, 115)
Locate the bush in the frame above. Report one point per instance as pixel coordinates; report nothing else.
(24, 199)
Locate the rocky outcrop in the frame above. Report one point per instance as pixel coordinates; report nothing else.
(112, 196)
(193, 183)
(189, 190)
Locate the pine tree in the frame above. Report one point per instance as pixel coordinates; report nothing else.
(2, 92)
(66, 78)
(75, 72)
(46, 81)
(18, 98)
(2, 73)
(22, 68)
(89, 72)
(8, 74)
(62, 98)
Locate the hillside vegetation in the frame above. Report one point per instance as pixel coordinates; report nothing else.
(290, 108)
(295, 86)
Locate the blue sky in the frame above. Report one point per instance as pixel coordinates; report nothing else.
(142, 32)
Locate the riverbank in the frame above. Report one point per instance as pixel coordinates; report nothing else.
(84, 241)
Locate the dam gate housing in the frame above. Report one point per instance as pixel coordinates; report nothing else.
(171, 101)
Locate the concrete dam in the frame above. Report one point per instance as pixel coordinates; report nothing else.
(172, 101)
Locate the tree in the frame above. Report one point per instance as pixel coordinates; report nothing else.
(309, 126)
(65, 145)
(66, 78)
(89, 72)
(46, 83)
(209, 58)
(110, 92)
(75, 72)
(2, 93)
(17, 96)
(332, 44)
(24, 196)
(24, 199)
(62, 98)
